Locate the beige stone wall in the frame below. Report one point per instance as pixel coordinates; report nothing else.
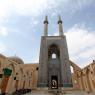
(25, 76)
(85, 78)
(34, 74)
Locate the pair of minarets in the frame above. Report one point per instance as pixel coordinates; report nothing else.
(60, 28)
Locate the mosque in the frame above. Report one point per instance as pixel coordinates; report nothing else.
(52, 72)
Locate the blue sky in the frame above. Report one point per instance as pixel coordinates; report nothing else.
(21, 27)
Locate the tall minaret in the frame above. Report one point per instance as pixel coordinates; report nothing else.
(50, 68)
(46, 26)
(60, 26)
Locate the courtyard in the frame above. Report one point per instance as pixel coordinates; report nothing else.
(67, 93)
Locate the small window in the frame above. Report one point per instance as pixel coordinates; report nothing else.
(1, 75)
(37, 68)
(16, 73)
(53, 56)
(14, 78)
(72, 69)
(0, 64)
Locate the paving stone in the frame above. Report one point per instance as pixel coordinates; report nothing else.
(68, 93)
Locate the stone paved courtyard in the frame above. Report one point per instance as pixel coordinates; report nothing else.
(68, 93)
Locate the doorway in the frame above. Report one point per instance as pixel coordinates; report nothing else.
(54, 82)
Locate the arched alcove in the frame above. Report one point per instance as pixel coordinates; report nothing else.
(53, 54)
(88, 79)
(53, 49)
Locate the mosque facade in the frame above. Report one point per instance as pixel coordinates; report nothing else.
(52, 72)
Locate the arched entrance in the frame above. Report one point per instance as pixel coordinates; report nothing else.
(54, 72)
(16, 81)
(54, 82)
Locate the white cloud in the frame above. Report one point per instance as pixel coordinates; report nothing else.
(81, 45)
(2, 48)
(25, 7)
(74, 5)
(80, 41)
(38, 7)
(3, 31)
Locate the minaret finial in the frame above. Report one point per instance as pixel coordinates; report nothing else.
(46, 18)
(60, 26)
(59, 18)
(46, 26)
